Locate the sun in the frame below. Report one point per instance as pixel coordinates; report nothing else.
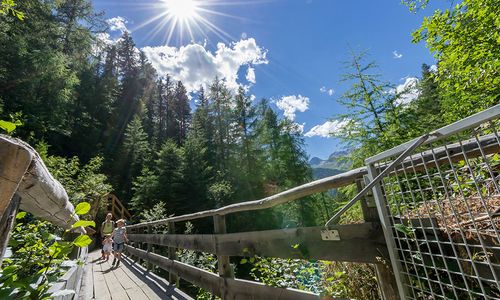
(188, 19)
(182, 10)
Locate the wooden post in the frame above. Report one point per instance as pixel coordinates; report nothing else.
(223, 263)
(14, 162)
(172, 278)
(385, 276)
(7, 223)
(148, 264)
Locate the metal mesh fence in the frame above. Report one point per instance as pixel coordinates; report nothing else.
(442, 212)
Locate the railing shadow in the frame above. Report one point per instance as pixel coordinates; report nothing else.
(159, 285)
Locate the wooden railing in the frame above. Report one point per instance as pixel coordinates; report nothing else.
(26, 183)
(360, 243)
(116, 207)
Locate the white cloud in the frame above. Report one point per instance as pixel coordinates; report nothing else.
(196, 66)
(117, 24)
(291, 104)
(433, 68)
(396, 54)
(407, 91)
(328, 129)
(251, 75)
(324, 89)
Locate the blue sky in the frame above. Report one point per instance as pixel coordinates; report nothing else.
(295, 48)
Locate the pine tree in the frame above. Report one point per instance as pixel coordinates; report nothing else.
(180, 113)
(366, 101)
(165, 119)
(134, 154)
(220, 98)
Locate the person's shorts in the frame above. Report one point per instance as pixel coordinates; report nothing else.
(118, 247)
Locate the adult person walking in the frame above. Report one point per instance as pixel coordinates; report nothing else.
(107, 228)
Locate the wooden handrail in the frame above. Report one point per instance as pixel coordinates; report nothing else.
(415, 162)
(295, 193)
(117, 205)
(362, 243)
(23, 171)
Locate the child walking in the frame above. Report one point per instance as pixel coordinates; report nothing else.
(119, 239)
(107, 246)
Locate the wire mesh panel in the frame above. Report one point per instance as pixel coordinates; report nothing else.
(441, 210)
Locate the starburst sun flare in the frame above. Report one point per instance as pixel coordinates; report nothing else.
(185, 18)
(182, 10)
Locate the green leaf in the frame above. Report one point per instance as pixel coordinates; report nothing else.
(495, 157)
(243, 261)
(83, 223)
(82, 208)
(20, 215)
(7, 126)
(82, 241)
(404, 229)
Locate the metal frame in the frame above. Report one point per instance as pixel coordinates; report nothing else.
(436, 211)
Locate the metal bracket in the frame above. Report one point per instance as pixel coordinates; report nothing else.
(330, 235)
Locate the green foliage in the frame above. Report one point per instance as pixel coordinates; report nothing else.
(415, 5)
(364, 128)
(83, 182)
(9, 126)
(8, 7)
(205, 261)
(466, 42)
(82, 208)
(326, 278)
(82, 241)
(83, 223)
(38, 252)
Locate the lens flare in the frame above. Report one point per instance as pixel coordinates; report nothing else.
(182, 10)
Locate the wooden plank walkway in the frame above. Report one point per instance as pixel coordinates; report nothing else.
(128, 281)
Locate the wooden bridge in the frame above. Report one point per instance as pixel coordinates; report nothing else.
(430, 209)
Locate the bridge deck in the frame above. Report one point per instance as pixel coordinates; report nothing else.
(129, 281)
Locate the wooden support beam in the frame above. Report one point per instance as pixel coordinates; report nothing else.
(295, 193)
(7, 221)
(149, 265)
(358, 243)
(14, 163)
(223, 262)
(172, 276)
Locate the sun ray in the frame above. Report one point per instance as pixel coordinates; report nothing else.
(152, 20)
(182, 21)
(215, 29)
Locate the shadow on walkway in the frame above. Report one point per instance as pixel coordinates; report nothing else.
(159, 285)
